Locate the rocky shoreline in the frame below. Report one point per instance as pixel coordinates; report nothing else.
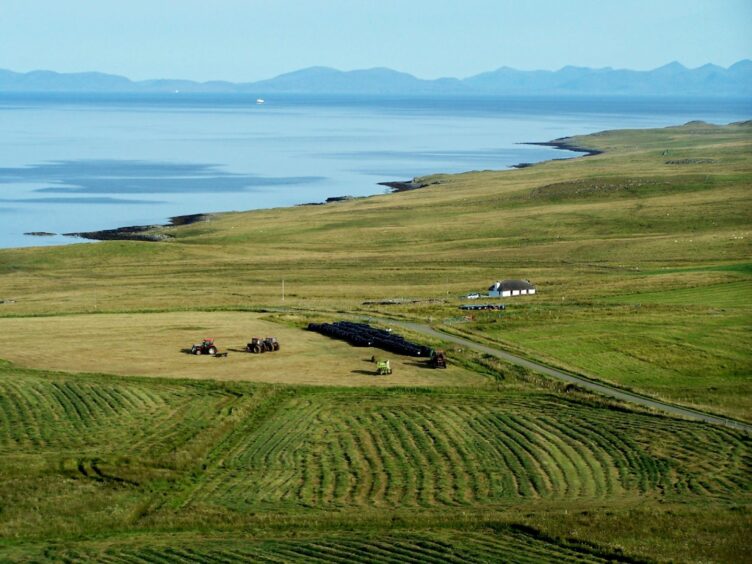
(563, 143)
(407, 185)
(153, 233)
(156, 233)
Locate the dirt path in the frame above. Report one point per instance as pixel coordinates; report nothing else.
(597, 387)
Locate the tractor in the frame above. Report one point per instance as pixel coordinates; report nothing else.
(207, 346)
(438, 359)
(383, 368)
(258, 345)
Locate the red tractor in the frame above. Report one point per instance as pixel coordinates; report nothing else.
(258, 345)
(207, 346)
(438, 359)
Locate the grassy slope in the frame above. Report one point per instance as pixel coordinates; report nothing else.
(644, 278)
(643, 267)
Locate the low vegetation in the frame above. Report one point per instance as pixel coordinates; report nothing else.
(475, 473)
(117, 446)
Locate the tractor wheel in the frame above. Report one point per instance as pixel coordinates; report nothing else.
(197, 351)
(256, 349)
(212, 351)
(276, 346)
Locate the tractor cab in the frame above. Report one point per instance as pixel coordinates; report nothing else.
(272, 343)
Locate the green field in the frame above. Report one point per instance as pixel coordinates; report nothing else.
(116, 446)
(139, 463)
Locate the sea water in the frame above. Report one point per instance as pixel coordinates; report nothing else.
(72, 162)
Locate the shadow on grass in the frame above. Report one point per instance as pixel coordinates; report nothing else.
(424, 365)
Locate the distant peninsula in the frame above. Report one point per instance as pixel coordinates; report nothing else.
(672, 79)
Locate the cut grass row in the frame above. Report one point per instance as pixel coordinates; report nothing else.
(399, 450)
(507, 544)
(93, 455)
(392, 449)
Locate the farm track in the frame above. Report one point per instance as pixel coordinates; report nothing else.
(598, 387)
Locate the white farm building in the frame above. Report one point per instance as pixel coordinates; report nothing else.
(508, 288)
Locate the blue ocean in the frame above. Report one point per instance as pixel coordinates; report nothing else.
(86, 162)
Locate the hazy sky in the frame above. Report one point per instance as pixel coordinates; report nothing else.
(246, 40)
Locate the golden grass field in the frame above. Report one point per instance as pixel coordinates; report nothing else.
(153, 345)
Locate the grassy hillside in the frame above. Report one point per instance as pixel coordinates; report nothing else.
(117, 446)
(641, 257)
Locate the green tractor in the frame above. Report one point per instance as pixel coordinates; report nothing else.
(383, 367)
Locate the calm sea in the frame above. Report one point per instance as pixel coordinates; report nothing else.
(82, 163)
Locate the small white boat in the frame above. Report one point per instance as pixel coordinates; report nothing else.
(259, 100)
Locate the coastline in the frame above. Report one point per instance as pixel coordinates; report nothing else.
(562, 143)
(155, 233)
(150, 233)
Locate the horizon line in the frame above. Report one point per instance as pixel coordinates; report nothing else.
(503, 67)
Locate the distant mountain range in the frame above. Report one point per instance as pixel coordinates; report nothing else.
(673, 79)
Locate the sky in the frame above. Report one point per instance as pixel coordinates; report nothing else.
(249, 40)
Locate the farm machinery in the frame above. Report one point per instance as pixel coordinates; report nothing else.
(258, 345)
(206, 346)
(438, 359)
(383, 367)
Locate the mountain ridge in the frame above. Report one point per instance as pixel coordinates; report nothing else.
(672, 79)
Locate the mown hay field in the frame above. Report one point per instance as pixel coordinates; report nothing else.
(395, 474)
(505, 544)
(402, 450)
(155, 345)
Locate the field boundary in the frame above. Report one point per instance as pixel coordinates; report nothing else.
(591, 385)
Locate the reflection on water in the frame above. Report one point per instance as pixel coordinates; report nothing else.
(136, 177)
(77, 200)
(84, 163)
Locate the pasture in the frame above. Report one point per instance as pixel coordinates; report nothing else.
(118, 446)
